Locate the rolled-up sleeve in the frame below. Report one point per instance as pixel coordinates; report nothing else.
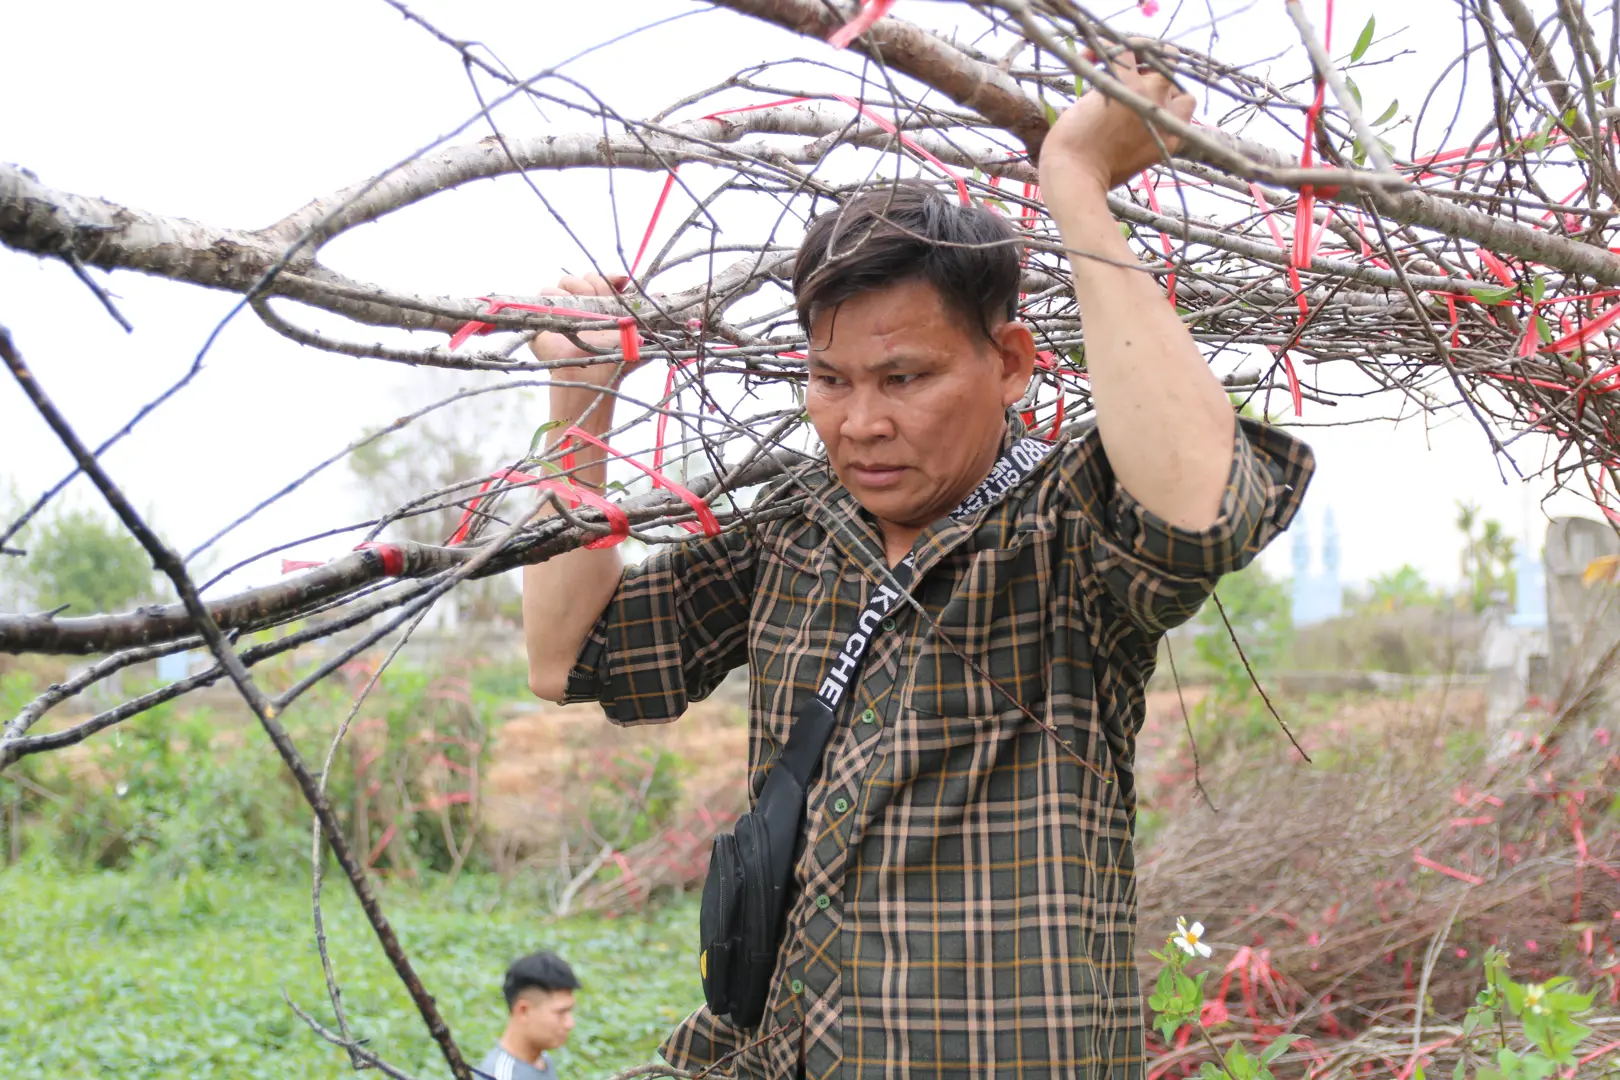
(1159, 574)
(677, 624)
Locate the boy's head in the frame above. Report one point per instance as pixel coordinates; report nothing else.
(539, 991)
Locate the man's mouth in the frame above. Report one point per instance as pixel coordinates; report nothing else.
(875, 475)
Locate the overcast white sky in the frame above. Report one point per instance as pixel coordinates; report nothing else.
(238, 114)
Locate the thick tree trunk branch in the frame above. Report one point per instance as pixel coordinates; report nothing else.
(343, 576)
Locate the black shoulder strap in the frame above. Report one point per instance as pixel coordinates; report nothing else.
(814, 721)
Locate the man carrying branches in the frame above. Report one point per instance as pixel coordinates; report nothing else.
(963, 901)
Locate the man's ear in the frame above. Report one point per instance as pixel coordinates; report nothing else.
(1016, 346)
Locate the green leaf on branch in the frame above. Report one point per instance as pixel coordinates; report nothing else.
(539, 432)
(1365, 40)
(1278, 1045)
(1355, 91)
(1486, 295)
(1239, 1065)
(1389, 113)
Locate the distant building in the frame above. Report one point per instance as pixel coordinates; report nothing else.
(1317, 595)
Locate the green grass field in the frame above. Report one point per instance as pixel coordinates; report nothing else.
(123, 974)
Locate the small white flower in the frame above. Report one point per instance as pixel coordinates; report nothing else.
(1189, 939)
(1532, 997)
(121, 789)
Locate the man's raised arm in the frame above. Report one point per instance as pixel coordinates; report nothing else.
(1163, 417)
(564, 596)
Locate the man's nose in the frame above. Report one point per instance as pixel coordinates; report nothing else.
(868, 416)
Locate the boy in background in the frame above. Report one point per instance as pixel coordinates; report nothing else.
(539, 991)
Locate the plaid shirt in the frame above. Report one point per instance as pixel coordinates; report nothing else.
(966, 896)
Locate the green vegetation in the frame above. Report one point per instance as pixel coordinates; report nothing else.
(84, 560)
(1486, 560)
(139, 975)
(1399, 589)
(1257, 607)
(1527, 1031)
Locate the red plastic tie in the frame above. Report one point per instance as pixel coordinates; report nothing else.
(1440, 868)
(662, 424)
(1294, 282)
(1049, 362)
(705, 516)
(1497, 267)
(652, 222)
(1164, 237)
(1587, 332)
(1304, 222)
(392, 556)
(629, 342)
(756, 108)
(618, 521)
(871, 11)
(907, 141)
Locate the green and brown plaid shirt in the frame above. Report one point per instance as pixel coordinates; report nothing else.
(966, 901)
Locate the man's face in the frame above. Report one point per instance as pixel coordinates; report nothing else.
(545, 1017)
(910, 400)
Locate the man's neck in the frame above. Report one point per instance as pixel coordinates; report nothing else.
(519, 1047)
(897, 541)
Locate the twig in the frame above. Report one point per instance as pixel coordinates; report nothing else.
(1253, 678)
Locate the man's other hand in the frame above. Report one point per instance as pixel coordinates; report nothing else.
(554, 346)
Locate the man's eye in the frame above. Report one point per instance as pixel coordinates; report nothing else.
(829, 381)
(903, 380)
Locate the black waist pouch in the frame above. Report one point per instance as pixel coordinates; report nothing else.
(749, 887)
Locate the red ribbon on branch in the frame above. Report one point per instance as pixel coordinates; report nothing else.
(567, 490)
(1294, 283)
(392, 556)
(705, 517)
(629, 340)
(871, 11)
(1305, 234)
(907, 141)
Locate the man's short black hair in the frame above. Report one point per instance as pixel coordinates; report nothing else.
(538, 971)
(904, 231)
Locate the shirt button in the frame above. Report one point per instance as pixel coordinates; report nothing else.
(797, 986)
(889, 624)
(823, 902)
(840, 805)
(868, 717)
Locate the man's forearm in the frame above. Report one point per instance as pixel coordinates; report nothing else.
(564, 596)
(1163, 417)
